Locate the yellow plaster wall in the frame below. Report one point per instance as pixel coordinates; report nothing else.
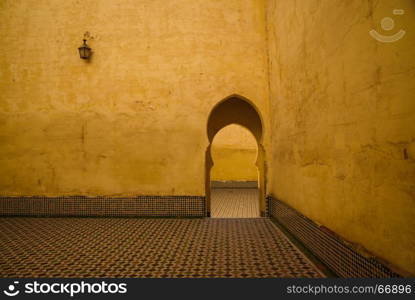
(133, 119)
(234, 154)
(343, 111)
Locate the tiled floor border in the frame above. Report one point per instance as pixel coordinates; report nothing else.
(342, 259)
(104, 206)
(234, 184)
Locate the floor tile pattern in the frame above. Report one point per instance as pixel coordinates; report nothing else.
(130, 247)
(234, 203)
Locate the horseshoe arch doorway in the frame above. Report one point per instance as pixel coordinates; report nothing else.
(238, 110)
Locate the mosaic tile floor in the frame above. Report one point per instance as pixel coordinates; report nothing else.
(234, 203)
(123, 247)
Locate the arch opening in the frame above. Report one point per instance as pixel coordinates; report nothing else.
(233, 111)
(234, 174)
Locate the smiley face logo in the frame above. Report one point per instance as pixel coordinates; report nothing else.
(388, 24)
(11, 291)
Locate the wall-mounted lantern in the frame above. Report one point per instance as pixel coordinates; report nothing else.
(84, 51)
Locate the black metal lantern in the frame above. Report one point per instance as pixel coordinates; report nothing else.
(84, 51)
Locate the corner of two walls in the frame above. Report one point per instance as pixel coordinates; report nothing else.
(338, 129)
(342, 112)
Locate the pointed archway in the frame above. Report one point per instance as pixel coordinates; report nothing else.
(236, 109)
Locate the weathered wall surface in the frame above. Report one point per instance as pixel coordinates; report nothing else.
(234, 154)
(133, 119)
(343, 111)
